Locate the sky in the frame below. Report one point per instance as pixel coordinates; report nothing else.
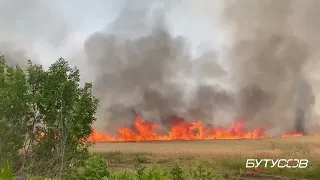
(53, 29)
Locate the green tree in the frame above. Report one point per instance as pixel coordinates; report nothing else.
(49, 116)
(13, 111)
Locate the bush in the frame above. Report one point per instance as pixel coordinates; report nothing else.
(95, 168)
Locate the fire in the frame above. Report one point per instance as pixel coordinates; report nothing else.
(291, 134)
(180, 130)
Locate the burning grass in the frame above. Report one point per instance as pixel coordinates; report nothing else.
(182, 130)
(226, 158)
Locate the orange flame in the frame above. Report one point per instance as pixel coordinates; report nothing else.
(181, 130)
(291, 134)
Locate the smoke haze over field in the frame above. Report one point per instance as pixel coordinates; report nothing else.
(141, 55)
(271, 51)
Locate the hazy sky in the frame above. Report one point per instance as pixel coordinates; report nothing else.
(58, 28)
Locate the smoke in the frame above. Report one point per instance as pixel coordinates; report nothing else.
(141, 68)
(26, 23)
(211, 102)
(272, 48)
(16, 53)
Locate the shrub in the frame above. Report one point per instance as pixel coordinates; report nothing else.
(95, 168)
(176, 173)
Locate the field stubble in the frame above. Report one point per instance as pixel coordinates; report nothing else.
(225, 157)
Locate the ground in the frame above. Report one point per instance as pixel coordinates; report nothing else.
(226, 158)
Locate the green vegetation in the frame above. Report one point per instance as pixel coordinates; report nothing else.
(6, 173)
(45, 116)
(197, 167)
(97, 168)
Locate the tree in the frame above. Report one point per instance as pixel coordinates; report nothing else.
(52, 115)
(13, 111)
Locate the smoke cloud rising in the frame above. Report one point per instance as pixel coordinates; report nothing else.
(272, 48)
(141, 68)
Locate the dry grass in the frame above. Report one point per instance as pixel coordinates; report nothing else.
(302, 146)
(225, 157)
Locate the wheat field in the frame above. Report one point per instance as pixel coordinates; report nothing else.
(266, 147)
(224, 157)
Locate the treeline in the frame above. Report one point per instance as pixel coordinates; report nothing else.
(45, 117)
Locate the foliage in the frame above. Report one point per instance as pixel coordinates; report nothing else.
(176, 173)
(45, 116)
(95, 168)
(6, 173)
(140, 168)
(202, 174)
(13, 111)
(99, 173)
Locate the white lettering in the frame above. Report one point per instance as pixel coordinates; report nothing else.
(274, 163)
(258, 162)
(303, 163)
(292, 163)
(250, 163)
(267, 160)
(279, 163)
(282, 160)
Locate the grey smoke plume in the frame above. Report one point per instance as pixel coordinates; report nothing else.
(26, 22)
(208, 101)
(273, 43)
(140, 68)
(15, 54)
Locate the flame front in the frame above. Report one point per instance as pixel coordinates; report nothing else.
(146, 131)
(292, 134)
